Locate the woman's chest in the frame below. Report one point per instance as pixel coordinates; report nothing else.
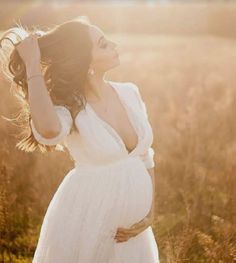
(124, 131)
(118, 119)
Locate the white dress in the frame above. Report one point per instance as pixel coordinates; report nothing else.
(109, 187)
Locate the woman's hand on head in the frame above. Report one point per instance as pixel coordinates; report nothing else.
(29, 50)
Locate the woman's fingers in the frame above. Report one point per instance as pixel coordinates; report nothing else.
(134, 228)
(123, 234)
(122, 240)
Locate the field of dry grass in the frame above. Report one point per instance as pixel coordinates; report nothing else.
(188, 84)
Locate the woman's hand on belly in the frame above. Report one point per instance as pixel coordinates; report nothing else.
(124, 234)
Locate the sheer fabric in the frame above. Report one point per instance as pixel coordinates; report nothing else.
(108, 188)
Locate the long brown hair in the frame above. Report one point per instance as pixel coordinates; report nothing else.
(65, 58)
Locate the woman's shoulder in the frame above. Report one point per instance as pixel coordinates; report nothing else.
(129, 91)
(126, 86)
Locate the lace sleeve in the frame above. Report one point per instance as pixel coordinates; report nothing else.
(66, 124)
(148, 156)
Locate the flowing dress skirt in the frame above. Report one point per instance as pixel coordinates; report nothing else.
(89, 205)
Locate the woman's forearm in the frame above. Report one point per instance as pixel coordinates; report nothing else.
(40, 102)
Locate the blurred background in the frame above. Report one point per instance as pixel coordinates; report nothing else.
(182, 55)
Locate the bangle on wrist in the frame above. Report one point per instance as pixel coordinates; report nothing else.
(34, 76)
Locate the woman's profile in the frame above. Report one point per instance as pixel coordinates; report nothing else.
(103, 210)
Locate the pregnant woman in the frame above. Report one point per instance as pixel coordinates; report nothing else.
(103, 210)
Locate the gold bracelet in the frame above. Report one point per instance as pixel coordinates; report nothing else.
(33, 76)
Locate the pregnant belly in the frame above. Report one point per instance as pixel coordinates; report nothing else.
(115, 195)
(134, 193)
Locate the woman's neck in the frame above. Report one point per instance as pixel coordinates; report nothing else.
(95, 88)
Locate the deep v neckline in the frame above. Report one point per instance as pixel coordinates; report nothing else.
(113, 129)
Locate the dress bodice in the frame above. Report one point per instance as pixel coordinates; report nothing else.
(97, 143)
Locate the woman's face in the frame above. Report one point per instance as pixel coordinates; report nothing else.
(104, 54)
